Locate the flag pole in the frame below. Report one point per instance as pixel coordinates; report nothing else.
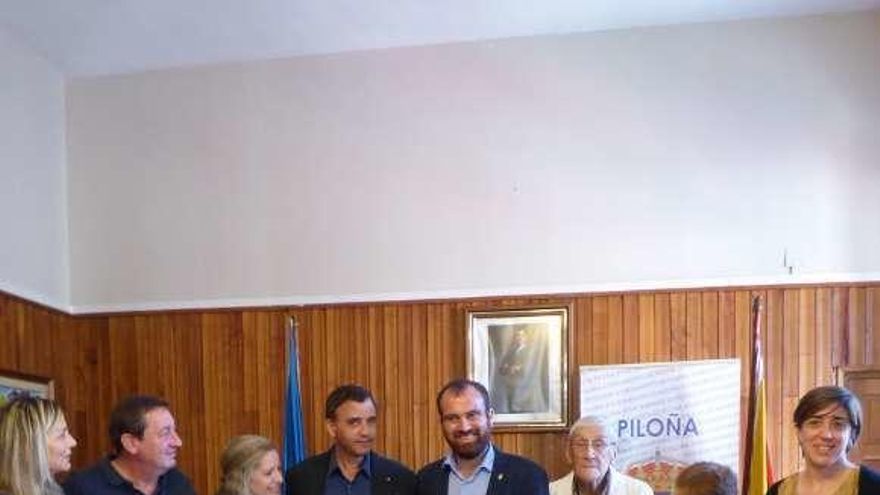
(757, 473)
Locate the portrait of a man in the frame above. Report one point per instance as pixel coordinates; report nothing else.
(519, 355)
(519, 380)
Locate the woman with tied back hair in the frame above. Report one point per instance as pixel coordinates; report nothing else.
(35, 446)
(828, 421)
(250, 466)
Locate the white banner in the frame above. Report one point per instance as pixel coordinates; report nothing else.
(667, 415)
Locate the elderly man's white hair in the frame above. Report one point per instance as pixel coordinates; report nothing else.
(607, 426)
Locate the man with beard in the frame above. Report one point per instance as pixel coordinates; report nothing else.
(474, 466)
(145, 444)
(350, 467)
(591, 448)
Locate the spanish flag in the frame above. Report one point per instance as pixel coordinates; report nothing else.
(758, 474)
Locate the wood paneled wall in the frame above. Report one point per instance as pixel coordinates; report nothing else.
(224, 370)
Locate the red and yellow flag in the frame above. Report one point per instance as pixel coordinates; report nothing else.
(757, 471)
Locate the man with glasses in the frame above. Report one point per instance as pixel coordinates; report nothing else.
(591, 448)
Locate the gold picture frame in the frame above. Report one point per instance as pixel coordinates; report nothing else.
(13, 383)
(521, 357)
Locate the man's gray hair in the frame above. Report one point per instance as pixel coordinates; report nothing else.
(608, 428)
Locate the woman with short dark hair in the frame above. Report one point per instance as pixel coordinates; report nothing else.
(828, 420)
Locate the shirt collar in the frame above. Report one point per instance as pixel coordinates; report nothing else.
(604, 485)
(114, 478)
(486, 465)
(365, 466)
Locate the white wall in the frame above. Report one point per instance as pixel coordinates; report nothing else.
(33, 190)
(658, 157)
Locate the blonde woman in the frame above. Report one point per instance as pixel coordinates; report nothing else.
(250, 466)
(35, 446)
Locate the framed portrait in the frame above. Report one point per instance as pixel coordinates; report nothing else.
(521, 357)
(13, 383)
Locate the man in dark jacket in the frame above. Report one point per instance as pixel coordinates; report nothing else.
(474, 466)
(350, 466)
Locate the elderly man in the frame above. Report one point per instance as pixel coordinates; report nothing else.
(591, 448)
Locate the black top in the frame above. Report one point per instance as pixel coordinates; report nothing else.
(387, 477)
(511, 475)
(102, 479)
(869, 482)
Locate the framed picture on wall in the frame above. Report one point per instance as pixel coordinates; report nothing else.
(13, 383)
(521, 357)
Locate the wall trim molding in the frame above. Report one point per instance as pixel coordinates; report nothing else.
(433, 295)
(34, 298)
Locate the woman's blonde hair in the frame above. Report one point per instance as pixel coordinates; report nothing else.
(24, 459)
(238, 462)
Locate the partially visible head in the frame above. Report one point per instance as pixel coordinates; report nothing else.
(250, 466)
(706, 478)
(591, 448)
(142, 429)
(465, 417)
(828, 421)
(350, 416)
(35, 445)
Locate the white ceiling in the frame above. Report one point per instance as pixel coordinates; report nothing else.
(89, 37)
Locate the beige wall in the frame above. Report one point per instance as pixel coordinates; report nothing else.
(33, 181)
(667, 157)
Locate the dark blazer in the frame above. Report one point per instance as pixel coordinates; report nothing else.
(511, 475)
(387, 477)
(869, 482)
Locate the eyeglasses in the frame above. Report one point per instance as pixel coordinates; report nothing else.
(584, 444)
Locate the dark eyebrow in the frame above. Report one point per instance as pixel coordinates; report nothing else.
(466, 413)
(832, 415)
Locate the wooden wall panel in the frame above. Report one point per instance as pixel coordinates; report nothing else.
(662, 329)
(224, 370)
(823, 367)
(41, 341)
(678, 319)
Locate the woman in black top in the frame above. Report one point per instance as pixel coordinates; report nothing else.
(828, 421)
